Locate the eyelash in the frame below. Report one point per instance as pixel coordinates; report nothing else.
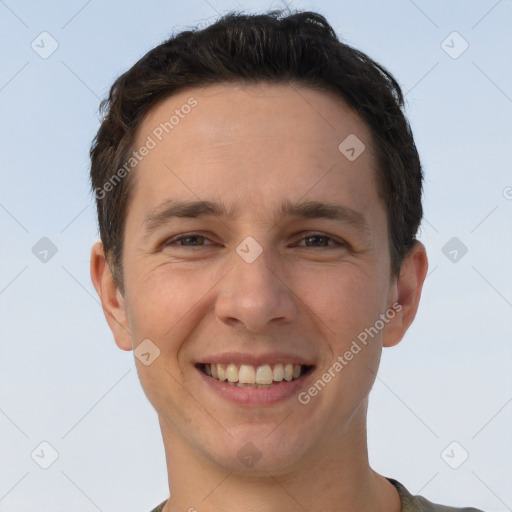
(337, 243)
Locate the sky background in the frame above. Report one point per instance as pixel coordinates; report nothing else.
(443, 394)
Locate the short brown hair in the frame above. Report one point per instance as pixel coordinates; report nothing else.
(299, 48)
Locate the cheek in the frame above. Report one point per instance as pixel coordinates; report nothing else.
(346, 298)
(348, 302)
(164, 303)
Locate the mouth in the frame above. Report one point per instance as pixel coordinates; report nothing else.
(252, 376)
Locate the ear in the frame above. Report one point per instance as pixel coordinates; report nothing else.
(112, 301)
(406, 294)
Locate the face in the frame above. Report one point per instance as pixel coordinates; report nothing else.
(291, 270)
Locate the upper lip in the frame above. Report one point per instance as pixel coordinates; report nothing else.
(256, 359)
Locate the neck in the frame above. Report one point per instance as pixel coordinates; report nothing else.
(336, 477)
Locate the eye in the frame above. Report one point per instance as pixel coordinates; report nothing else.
(325, 240)
(313, 240)
(187, 240)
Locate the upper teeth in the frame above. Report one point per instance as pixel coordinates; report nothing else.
(249, 374)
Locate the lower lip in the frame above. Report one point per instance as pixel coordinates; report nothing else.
(257, 396)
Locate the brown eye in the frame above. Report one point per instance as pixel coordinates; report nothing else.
(187, 240)
(320, 240)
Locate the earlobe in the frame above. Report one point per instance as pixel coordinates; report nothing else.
(407, 293)
(112, 301)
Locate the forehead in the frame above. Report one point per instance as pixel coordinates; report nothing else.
(252, 143)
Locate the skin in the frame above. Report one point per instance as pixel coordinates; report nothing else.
(252, 147)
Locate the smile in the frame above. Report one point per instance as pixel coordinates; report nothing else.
(250, 376)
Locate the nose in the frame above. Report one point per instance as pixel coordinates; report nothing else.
(255, 295)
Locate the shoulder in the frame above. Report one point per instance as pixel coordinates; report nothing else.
(160, 507)
(416, 503)
(410, 503)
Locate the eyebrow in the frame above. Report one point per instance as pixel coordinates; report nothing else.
(170, 209)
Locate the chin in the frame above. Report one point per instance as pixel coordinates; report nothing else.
(258, 451)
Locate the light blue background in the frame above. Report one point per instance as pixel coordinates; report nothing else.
(64, 381)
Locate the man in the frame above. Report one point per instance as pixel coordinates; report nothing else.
(259, 193)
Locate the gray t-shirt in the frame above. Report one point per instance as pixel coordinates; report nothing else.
(416, 503)
(410, 503)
